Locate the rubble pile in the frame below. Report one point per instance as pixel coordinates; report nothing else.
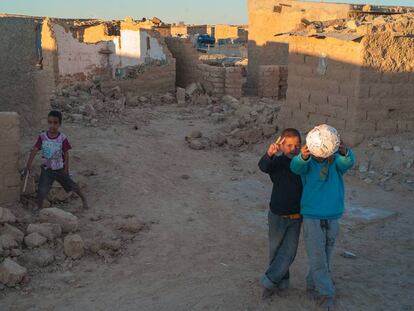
(53, 241)
(364, 23)
(246, 121)
(99, 100)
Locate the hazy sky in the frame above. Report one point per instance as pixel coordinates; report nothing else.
(191, 11)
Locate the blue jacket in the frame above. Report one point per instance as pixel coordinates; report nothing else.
(323, 185)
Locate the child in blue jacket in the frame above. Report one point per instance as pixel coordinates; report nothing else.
(322, 205)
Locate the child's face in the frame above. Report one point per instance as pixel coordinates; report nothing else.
(291, 146)
(53, 124)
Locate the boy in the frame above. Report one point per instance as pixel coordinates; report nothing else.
(55, 155)
(322, 205)
(283, 217)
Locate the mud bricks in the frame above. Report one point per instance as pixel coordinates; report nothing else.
(273, 81)
(220, 81)
(347, 93)
(9, 157)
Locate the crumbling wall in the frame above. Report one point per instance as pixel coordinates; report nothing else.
(187, 61)
(96, 33)
(9, 155)
(183, 30)
(18, 73)
(220, 81)
(268, 18)
(322, 94)
(273, 81)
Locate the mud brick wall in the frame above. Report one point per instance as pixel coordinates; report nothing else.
(220, 81)
(187, 61)
(269, 17)
(155, 80)
(20, 81)
(272, 81)
(9, 155)
(360, 93)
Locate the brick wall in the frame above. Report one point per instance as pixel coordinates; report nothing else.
(187, 61)
(268, 17)
(353, 94)
(9, 155)
(273, 81)
(220, 81)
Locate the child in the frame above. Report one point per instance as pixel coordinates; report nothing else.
(283, 217)
(55, 155)
(322, 205)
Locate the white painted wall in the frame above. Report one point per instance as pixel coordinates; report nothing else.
(77, 57)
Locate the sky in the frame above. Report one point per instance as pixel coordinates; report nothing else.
(190, 11)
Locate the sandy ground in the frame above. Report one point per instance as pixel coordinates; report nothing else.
(206, 242)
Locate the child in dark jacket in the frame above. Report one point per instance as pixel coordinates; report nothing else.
(322, 205)
(283, 217)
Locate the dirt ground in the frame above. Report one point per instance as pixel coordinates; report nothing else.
(205, 245)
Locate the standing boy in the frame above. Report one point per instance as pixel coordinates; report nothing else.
(322, 205)
(283, 217)
(55, 157)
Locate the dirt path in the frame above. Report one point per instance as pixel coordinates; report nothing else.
(206, 244)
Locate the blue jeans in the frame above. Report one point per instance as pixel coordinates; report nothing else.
(320, 236)
(283, 244)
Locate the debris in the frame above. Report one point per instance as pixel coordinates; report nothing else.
(73, 246)
(38, 257)
(349, 255)
(386, 145)
(66, 220)
(180, 96)
(6, 216)
(396, 148)
(48, 230)
(34, 240)
(15, 233)
(11, 273)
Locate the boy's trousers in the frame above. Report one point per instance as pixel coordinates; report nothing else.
(283, 244)
(319, 236)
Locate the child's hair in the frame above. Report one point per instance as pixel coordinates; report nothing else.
(56, 114)
(290, 132)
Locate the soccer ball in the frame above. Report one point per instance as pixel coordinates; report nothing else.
(323, 141)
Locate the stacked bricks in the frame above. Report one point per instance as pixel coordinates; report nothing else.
(273, 81)
(213, 79)
(349, 94)
(234, 82)
(220, 81)
(187, 61)
(9, 156)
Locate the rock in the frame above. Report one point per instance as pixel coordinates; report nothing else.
(219, 139)
(251, 136)
(73, 246)
(349, 255)
(76, 117)
(66, 220)
(352, 24)
(38, 257)
(234, 142)
(193, 88)
(113, 245)
(231, 101)
(363, 167)
(180, 96)
(11, 273)
(168, 98)
(48, 230)
(386, 145)
(196, 134)
(132, 225)
(195, 144)
(396, 148)
(12, 231)
(143, 99)
(112, 92)
(16, 252)
(58, 194)
(7, 241)
(34, 240)
(6, 216)
(268, 130)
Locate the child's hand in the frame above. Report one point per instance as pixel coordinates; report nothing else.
(343, 150)
(305, 152)
(275, 147)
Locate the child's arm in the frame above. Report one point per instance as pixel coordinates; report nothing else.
(33, 153)
(300, 164)
(345, 159)
(268, 161)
